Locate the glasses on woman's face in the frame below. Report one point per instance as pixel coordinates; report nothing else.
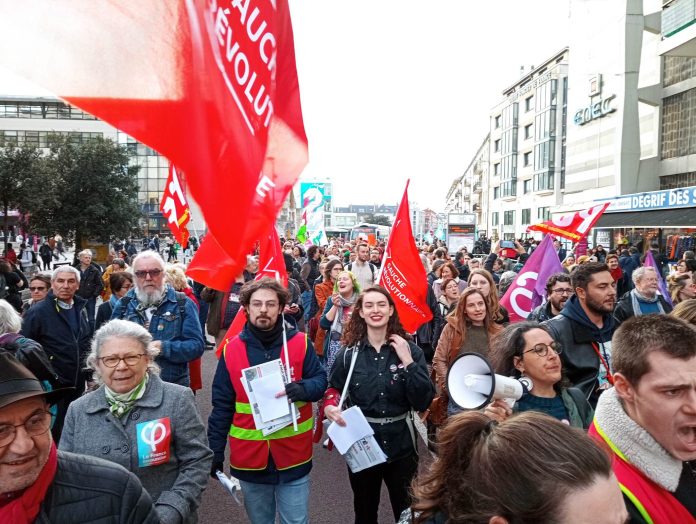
(113, 361)
(37, 424)
(542, 350)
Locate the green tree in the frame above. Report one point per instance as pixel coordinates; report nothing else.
(23, 181)
(95, 191)
(379, 220)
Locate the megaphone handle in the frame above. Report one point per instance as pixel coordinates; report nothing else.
(510, 402)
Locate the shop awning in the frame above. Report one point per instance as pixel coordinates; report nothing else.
(664, 218)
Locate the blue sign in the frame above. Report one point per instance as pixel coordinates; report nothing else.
(667, 199)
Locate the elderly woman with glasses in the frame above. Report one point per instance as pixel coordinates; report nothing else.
(146, 425)
(526, 349)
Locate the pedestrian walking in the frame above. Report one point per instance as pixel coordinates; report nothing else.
(389, 381)
(273, 469)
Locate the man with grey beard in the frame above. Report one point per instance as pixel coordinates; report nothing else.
(169, 316)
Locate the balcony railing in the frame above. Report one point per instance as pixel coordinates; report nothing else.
(677, 15)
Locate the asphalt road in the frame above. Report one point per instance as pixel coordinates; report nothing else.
(331, 499)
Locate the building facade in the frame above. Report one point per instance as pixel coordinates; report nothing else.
(527, 150)
(469, 192)
(30, 120)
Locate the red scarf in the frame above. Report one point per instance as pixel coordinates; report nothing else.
(617, 274)
(25, 508)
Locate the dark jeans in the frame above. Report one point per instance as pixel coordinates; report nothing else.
(91, 307)
(367, 486)
(62, 407)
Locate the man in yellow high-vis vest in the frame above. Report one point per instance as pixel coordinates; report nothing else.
(273, 469)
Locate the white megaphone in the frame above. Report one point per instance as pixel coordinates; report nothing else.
(472, 384)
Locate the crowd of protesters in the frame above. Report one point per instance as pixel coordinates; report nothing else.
(106, 363)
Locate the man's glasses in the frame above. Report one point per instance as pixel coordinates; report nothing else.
(37, 289)
(113, 361)
(38, 424)
(154, 273)
(562, 291)
(542, 349)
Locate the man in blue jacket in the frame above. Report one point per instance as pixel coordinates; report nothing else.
(169, 316)
(59, 323)
(272, 468)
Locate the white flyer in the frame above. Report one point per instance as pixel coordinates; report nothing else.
(364, 454)
(355, 429)
(248, 375)
(265, 389)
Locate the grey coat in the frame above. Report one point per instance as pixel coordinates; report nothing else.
(174, 486)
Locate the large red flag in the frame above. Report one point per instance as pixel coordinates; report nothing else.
(175, 207)
(574, 226)
(271, 264)
(528, 289)
(210, 84)
(403, 274)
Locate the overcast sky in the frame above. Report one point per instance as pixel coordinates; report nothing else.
(397, 89)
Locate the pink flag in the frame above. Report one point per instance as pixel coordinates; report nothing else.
(528, 289)
(650, 262)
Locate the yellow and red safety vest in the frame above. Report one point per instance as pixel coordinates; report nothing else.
(655, 504)
(249, 448)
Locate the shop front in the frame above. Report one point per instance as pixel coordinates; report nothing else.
(667, 217)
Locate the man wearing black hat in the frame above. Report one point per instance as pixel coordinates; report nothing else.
(40, 484)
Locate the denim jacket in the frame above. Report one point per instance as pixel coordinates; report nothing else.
(181, 335)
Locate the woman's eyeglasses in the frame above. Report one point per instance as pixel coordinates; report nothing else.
(542, 349)
(113, 361)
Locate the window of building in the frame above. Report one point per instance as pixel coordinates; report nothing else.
(528, 131)
(496, 121)
(508, 218)
(543, 181)
(496, 146)
(527, 158)
(496, 169)
(508, 188)
(496, 192)
(494, 218)
(526, 186)
(528, 104)
(544, 213)
(526, 216)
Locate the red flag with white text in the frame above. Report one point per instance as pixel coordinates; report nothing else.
(574, 226)
(272, 265)
(403, 274)
(210, 84)
(175, 208)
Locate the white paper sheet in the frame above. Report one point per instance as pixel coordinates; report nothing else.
(355, 429)
(265, 389)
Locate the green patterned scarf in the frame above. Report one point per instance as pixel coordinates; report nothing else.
(121, 403)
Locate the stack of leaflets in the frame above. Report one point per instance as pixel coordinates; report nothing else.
(261, 383)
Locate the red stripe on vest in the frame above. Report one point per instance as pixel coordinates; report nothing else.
(253, 454)
(661, 505)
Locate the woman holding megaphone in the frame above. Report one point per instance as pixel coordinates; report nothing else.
(530, 468)
(526, 349)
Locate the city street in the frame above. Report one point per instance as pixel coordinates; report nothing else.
(331, 499)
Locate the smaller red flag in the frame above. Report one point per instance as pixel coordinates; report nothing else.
(175, 207)
(574, 226)
(271, 264)
(403, 274)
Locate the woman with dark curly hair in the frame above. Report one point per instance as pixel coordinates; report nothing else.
(528, 349)
(389, 381)
(528, 469)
